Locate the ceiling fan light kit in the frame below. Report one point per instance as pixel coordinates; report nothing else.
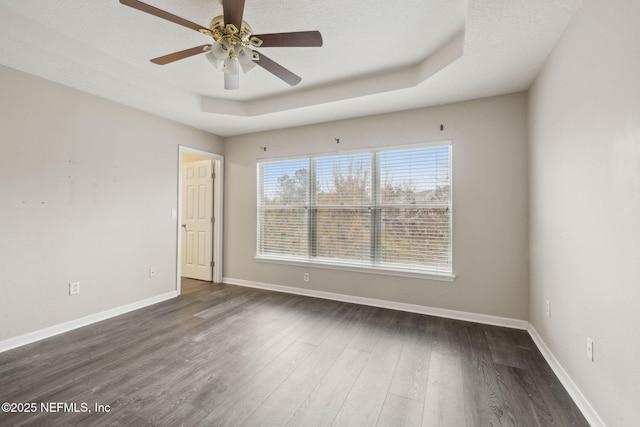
(231, 50)
(233, 47)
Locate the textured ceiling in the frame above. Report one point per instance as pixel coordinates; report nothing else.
(378, 56)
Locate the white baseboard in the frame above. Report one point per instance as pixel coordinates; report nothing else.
(583, 404)
(412, 308)
(84, 321)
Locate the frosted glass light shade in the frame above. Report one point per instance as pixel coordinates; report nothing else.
(231, 81)
(245, 58)
(214, 61)
(248, 66)
(220, 50)
(245, 55)
(231, 66)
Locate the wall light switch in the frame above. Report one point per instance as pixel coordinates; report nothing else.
(74, 288)
(547, 308)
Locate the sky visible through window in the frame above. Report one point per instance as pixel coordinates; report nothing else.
(422, 169)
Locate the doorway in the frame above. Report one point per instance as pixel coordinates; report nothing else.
(199, 226)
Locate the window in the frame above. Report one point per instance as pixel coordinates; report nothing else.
(387, 210)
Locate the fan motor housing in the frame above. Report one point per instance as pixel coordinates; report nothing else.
(230, 33)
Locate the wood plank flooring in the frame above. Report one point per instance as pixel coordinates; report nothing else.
(223, 355)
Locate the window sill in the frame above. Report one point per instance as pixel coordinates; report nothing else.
(419, 274)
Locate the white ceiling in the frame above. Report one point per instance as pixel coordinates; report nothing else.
(378, 56)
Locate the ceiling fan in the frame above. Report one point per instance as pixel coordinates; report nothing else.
(234, 43)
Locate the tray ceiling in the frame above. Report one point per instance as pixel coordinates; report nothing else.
(377, 57)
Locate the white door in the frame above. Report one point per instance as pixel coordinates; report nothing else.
(197, 220)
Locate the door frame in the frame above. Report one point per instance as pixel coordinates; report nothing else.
(218, 198)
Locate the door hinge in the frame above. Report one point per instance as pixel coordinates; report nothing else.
(213, 175)
(213, 219)
(213, 264)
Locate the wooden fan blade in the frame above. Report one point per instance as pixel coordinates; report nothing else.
(162, 14)
(233, 11)
(294, 39)
(166, 59)
(278, 70)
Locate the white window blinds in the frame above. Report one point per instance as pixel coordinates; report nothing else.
(341, 209)
(415, 208)
(283, 203)
(388, 210)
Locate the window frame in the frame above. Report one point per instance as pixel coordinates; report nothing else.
(375, 207)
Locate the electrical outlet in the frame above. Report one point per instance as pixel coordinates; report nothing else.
(589, 349)
(547, 308)
(306, 277)
(74, 288)
(152, 272)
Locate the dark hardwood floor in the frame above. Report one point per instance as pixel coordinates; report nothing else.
(223, 355)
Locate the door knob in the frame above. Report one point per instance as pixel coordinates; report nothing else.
(184, 225)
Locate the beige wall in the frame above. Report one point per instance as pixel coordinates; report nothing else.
(86, 192)
(490, 219)
(585, 205)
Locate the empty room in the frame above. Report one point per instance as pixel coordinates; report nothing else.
(239, 213)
